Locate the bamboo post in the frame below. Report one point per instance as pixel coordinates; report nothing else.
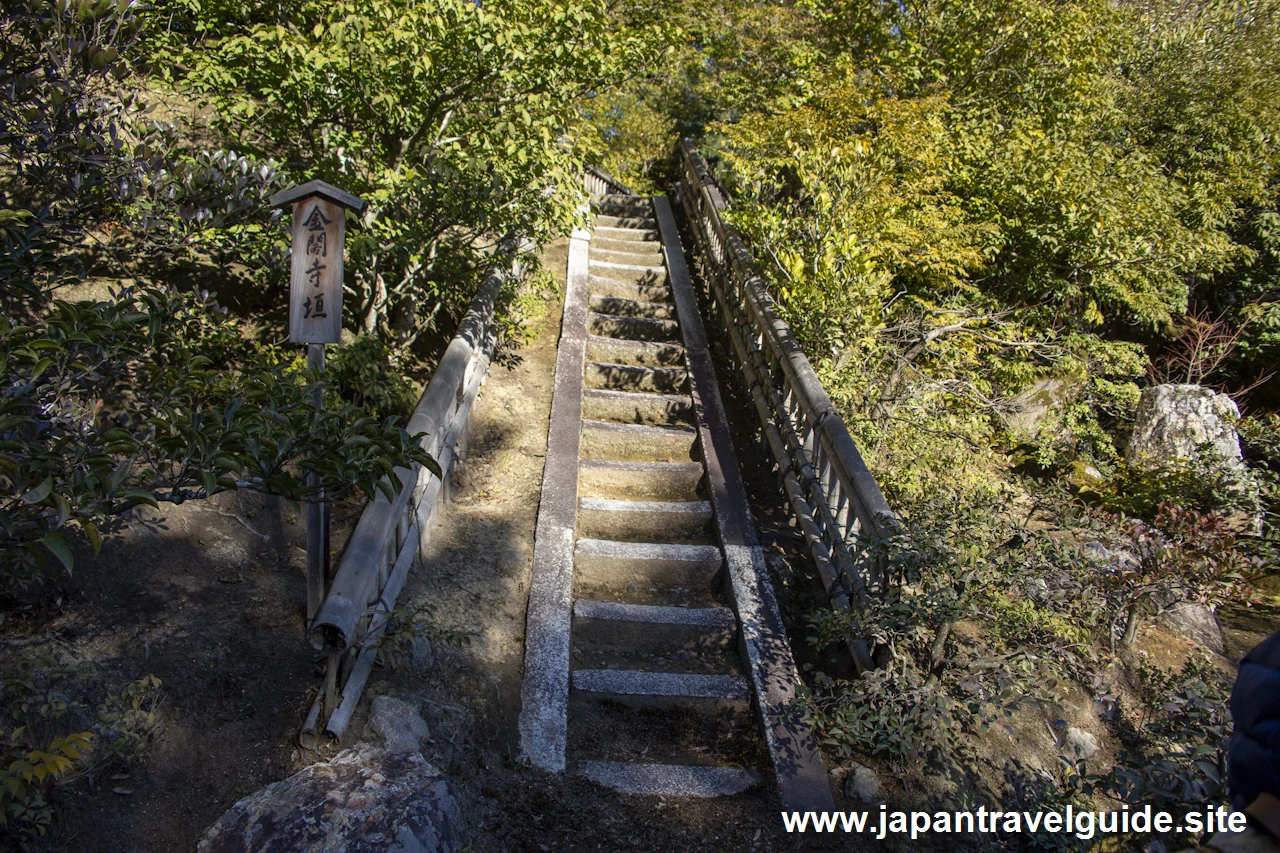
(315, 319)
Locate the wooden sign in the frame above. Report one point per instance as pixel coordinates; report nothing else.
(315, 285)
(315, 281)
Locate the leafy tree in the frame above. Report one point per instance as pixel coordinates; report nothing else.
(457, 121)
(151, 394)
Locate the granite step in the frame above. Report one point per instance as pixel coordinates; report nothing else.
(608, 563)
(637, 407)
(634, 377)
(638, 442)
(668, 780)
(633, 328)
(664, 689)
(644, 521)
(621, 306)
(623, 479)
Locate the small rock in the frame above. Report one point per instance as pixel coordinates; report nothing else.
(366, 800)
(399, 723)
(420, 651)
(1195, 622)
(1085, 478)
(1033, 409)
(1079, 744)
(862, 784)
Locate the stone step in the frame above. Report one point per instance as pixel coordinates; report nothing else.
(602, 267)
(611, 564)
(626, 257)
(643, 276)
(623, 205)
(637, 407)
(602, 286)
(634, 377)
(622, 307)
(668, 780)
(640, 235)
(643, 521)
(638, 247)
(664, 689)
(659, 630)
(620, 197)
(647, 223)
(601, 729)
(656, 656)
(638, 442)
(632, 328)
(623, 479)
(648, 353)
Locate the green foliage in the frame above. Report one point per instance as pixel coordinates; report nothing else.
(1177, 758)
(151, 397)
(150, 394)
(1180, 556)
(1139, 490)
(890, 714)
(951, 562)
(366, 374)
(456, 121)
(41, 744)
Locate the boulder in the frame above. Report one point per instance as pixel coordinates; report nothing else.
(398, 723)
(1032, 410)
(366, 800)
(1174, 422)
(862, 784)
(1196, 623)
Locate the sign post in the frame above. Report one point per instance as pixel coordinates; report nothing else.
(315, 319)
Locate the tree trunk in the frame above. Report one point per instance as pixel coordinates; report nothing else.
(376, 316)
(1132, 621)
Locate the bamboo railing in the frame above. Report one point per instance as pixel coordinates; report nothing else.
(831, 493)
(597, 181)
(386, 540)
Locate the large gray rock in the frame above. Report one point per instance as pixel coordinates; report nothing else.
(1174, 426)
(1079, 744)
(862, 784)
(366, 800)
(1196, 623)
(399, 723)
(1173, 422)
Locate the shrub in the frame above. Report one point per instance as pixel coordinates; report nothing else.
(55, 733)
(365, 373)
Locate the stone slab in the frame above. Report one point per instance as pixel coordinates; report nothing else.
(668, 780)
(544, 692)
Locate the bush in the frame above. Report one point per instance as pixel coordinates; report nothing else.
(54, 733)
(365, 373)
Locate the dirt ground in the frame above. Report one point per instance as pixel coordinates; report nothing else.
(208, 597)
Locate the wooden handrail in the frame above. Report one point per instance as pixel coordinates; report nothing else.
(833, 494)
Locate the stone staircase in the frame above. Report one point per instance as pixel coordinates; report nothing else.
(639, 674)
